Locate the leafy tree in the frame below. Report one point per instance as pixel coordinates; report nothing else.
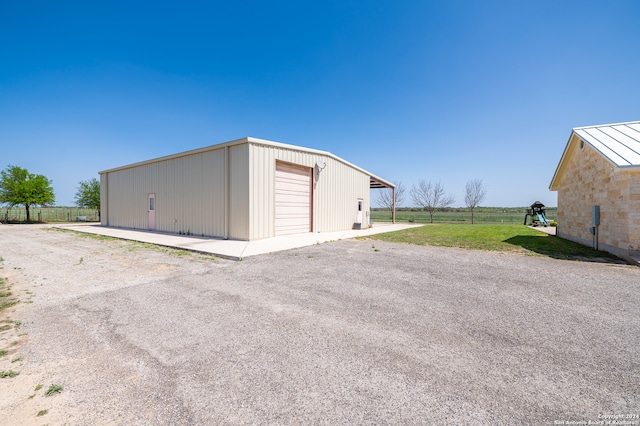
(19, 187)
(385, 197)
(88, 194)
(474, 194)
(431, 197)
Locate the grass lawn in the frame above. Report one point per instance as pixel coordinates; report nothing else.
(496, 237)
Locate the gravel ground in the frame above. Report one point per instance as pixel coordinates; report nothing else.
(349, 332)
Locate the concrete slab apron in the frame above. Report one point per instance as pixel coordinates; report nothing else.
(233, 249)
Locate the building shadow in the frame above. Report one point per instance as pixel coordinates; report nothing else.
(559, 248)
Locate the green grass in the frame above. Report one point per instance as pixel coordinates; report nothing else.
(85, 234)
(54, 389)
(6, 300)
(507, 215)
(501, 238)
(138, 245)
(9, 373)
(42, 413)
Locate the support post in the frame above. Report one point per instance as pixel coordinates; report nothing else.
(393, 205)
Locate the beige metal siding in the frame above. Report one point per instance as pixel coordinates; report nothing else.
(229, 190)
(239, 205)
(292, 199)
(189, 194)
(104, 201)
(335, 193)
(261, 192)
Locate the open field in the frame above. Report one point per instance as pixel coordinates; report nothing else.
(502, 237)
(348, 332)
(484, 215)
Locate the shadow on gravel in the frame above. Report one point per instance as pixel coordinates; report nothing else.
(558, 248)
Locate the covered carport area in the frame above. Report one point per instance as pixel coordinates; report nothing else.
(378, 183)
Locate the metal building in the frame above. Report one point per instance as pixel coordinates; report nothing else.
(246, 189)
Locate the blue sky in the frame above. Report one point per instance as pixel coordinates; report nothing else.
(437, 90)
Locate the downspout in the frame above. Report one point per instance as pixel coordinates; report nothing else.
(105, 214)
(595, 221)
(226, 192)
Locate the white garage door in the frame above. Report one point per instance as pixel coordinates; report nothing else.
(293, 199)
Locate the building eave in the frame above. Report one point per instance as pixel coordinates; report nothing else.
(557, 174)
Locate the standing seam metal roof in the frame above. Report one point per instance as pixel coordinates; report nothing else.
(620, 142)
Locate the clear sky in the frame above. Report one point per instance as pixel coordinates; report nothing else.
(446, 90)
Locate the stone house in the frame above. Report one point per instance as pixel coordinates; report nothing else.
(598, 185)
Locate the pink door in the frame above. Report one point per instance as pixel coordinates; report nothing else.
(151, 205)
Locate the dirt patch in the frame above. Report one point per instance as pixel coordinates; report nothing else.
(52, 268)
(15, 390)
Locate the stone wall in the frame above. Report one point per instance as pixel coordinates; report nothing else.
(590, 179)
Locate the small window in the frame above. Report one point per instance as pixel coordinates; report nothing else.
(581, 144)
(152, 203)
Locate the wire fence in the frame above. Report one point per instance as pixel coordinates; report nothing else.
(457, 217)
(76, 214)
(49, 214)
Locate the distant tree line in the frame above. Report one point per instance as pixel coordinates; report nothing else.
(19, 187)
(431, 196)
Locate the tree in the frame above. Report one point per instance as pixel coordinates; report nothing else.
(474, 194)
(88, 194)
(19, 187)
(385, 197)
(431, 197)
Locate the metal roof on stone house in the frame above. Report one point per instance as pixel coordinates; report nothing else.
(619, 143)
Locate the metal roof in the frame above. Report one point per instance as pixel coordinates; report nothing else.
(620, 142)
(374, 181)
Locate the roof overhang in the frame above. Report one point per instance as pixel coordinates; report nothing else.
(375, 183)
(562, 164)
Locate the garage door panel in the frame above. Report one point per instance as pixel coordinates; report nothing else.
(293, 222)
(293, 209)
(292, 199)
(291, 184)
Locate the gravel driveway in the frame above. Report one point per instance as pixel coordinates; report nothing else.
(348, 332)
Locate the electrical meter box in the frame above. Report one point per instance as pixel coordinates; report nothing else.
(595, 215)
